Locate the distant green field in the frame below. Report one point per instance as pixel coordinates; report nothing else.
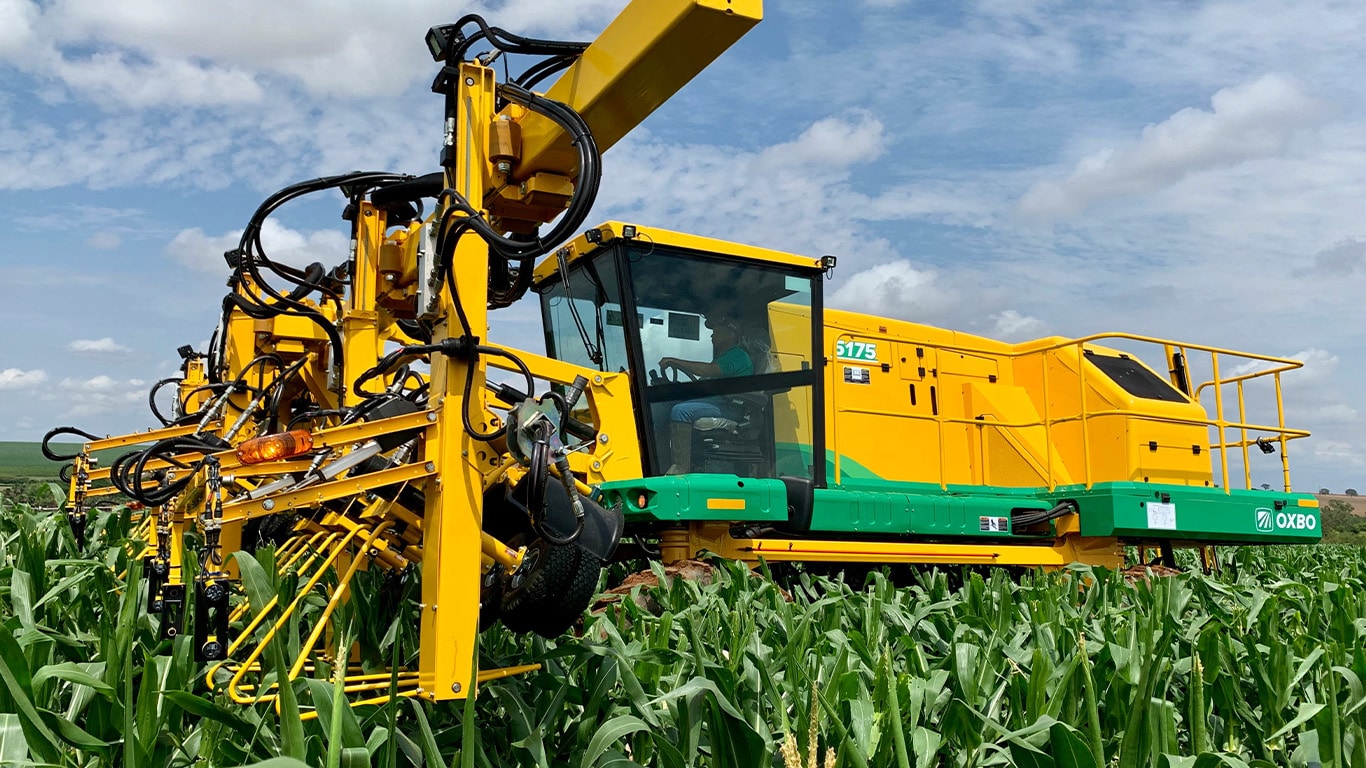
(25, 460)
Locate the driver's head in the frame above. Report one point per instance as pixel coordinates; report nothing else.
(725, 331)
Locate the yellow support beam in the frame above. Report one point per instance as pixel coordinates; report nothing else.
(716, 538)
(649, 52)
(150, 436)
(452, 559)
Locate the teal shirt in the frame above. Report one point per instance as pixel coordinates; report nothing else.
(735, 362)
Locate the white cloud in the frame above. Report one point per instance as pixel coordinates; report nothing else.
(833, 142)
(897, 289)
(1249, 121)
(1339, 452)
(104, 241)
(893, 289)
(16, 18)
(100, 394)
(335, 49)
(100, 383)
(111, 77)
(1335, 413)
(14, 378)
(792, 195)
(1318, 367)
(1010, 325)
(97, 347)
(202, 252)
(265, 145)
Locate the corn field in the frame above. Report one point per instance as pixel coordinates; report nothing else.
(1261, 664)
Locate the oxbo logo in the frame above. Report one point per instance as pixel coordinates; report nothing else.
(1264, 518)
(1296, 520)
(1267, 521)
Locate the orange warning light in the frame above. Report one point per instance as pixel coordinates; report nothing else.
(281, 445)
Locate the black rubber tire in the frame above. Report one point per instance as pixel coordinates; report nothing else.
(556, 591)
(575, 598)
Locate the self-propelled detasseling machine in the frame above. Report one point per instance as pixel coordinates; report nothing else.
(695, 395)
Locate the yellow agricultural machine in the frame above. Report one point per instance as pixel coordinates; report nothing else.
(694, 396)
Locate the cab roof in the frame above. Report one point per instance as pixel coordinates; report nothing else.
(591, 241)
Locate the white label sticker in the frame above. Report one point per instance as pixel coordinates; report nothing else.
(994, 524)
(854, 375)
(1162, 516)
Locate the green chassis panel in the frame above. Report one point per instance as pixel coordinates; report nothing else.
(687, 498)
(862, 507)
(1192, 513)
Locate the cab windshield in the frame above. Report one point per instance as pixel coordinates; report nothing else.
(720, 350)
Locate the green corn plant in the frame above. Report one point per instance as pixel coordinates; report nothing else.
(1259, 664)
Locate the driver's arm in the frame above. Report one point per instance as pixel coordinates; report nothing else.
(694, 368)
(733, 362)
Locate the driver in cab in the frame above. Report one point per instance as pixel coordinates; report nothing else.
(728, 359)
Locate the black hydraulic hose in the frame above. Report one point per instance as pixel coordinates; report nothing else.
(585, 189)
(418, 395)
(314, 274)
(217, 355)
(275, 390)
(522, 249)
(216, 388)
(508, 42)
(314, 415)
(250, 253)
(240, 383)
(130, 477)
(249, 246)
(411, 191)
(116, 473)
(262, 311)
(506, 286)
(386, 364)
(415, 330)
(451, 347)
(52, 455)
(538, 72)
(469, 388)
(152, 400)
(1034, 517)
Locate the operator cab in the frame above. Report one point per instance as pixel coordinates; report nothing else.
(722, 342)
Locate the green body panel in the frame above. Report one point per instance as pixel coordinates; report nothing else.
(864, 506)
(871, 507)
(686, 498)
(1196, 514)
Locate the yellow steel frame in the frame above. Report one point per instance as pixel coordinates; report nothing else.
(645, 55)
(453, 519)
(1070, 547)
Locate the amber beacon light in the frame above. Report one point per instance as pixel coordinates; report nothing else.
(281, 445)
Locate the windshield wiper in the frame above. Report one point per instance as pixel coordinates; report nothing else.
(594, 352)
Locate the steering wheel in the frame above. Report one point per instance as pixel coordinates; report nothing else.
(670, 373)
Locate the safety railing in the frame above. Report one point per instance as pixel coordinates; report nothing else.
(1272, 367)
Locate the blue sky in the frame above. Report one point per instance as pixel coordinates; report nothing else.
(1015, 169)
